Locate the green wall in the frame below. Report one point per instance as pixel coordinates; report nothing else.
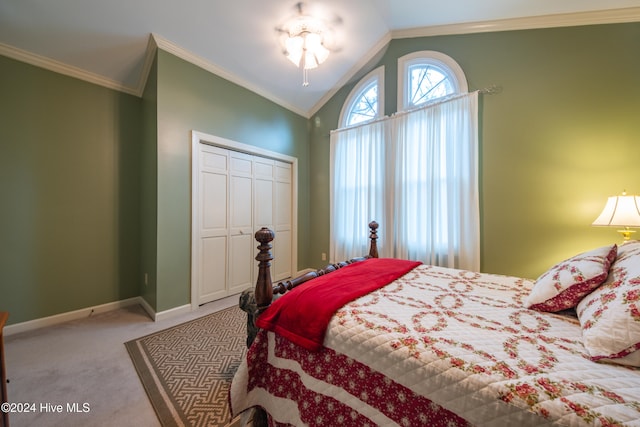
(95, 184)
(190, 98)
(561, 136)
(149, 188)
(69, 193)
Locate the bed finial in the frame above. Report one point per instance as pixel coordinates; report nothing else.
(264, 288)
(373, 236)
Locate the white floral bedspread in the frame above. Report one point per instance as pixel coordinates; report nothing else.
(440, 347)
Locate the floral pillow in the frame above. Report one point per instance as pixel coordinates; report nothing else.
(610, 315)
(565, 284)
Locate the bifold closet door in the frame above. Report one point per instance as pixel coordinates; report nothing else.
(237, 194)
(283, 267)
(263, 202)
(241, 247)
(272, 209)
(213, 223)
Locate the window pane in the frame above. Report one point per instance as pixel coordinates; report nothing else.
(366, 107)
(428, 82)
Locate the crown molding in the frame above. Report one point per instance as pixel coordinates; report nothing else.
(149, 57)
(613, 16)
(62, 68)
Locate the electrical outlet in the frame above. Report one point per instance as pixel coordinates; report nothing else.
(324, 256)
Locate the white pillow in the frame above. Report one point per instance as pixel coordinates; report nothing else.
(610, 315)
(566, 283)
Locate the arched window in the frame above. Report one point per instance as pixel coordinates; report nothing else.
(366, 100)
(415, 173)
(427, 75)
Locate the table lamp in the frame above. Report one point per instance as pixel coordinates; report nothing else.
(622, 212)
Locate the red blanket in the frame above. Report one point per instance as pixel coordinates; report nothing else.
(302, 315)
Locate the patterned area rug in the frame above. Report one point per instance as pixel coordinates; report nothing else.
(187, 370)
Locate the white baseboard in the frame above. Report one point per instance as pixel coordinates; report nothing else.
(172, 312)
(223, 303)
(89, 311)
(145, 305)
(71, 315)
(217, 305)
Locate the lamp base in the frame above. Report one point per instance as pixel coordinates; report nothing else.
(626, 233)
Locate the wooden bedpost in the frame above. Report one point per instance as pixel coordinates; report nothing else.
(264, 287)
(263, 296)
(257, 300)
(373, 237)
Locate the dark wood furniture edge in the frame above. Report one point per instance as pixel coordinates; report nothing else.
(3, 373)
(255, 301)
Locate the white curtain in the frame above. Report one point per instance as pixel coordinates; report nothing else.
(358, 187)
(416, 173)
(436, 216)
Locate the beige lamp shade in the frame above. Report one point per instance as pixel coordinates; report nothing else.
(620, 211)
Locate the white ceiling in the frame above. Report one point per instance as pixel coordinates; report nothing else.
(106, 41)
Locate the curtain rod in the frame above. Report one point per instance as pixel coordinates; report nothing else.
(490, 90)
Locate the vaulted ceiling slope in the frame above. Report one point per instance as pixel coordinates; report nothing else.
(110, 43)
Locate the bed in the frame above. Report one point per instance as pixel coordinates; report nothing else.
(444, 347)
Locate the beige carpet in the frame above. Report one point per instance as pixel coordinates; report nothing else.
(186, 370)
